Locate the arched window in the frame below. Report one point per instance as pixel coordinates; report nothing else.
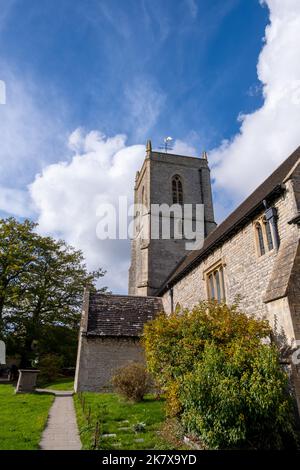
(269, 235)
(264, 235)
(260, 239)
(216, 284)
(177, 190)
(211, 287)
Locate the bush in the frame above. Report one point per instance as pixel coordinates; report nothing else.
(50, 367)
(229, 402)
(220, 380)
(172, 432)
(132, 381)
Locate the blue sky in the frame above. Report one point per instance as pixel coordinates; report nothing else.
(88, 82)
(196, 58)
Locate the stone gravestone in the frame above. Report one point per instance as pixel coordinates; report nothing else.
(2, 352)
(27, 380)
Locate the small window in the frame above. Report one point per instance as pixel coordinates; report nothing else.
(260, 239)
(263, 236)
(211, 287)
(177, 190)
(269, 235)
(216, 284)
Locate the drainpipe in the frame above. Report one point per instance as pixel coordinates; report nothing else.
(271, 216)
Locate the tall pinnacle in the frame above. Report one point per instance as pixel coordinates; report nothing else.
(148, 147)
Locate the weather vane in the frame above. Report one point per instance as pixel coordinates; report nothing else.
(167, 144)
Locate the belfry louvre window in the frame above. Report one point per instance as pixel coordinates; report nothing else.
(263, 235)
(215, 283)
(177, 190)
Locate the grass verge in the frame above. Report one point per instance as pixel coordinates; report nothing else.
(63, 383)
(22, 418)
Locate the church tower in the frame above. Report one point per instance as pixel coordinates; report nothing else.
(165, 178)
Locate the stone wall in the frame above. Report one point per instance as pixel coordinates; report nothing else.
(246, 274)
(100, 357)
(267, 286)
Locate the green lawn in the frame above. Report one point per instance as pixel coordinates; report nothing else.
(64, 383)
(22, 418)
(119, 417)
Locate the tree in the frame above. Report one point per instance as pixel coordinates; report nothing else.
(221, 378)
(17, 252)
(44, 292)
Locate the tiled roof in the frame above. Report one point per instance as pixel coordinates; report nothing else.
(253, 203)
(120, 315)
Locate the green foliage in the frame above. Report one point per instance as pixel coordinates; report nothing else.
(174, 343)
(172, 431)
(41, 287)
(220, 379)
(233, 400)
(17, 253)
(50, 366)
(59, 339)
(132, 381)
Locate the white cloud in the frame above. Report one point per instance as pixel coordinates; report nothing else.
(66, 197)
(271, 133)
(182, 148)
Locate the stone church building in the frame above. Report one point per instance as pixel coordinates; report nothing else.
(254, 254)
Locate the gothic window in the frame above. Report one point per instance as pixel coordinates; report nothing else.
(177, 190)
(269, 235)
(211, 286)
(218, 291)
(221, 271)
(263, 235)
(260, 238)
(216, 284)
